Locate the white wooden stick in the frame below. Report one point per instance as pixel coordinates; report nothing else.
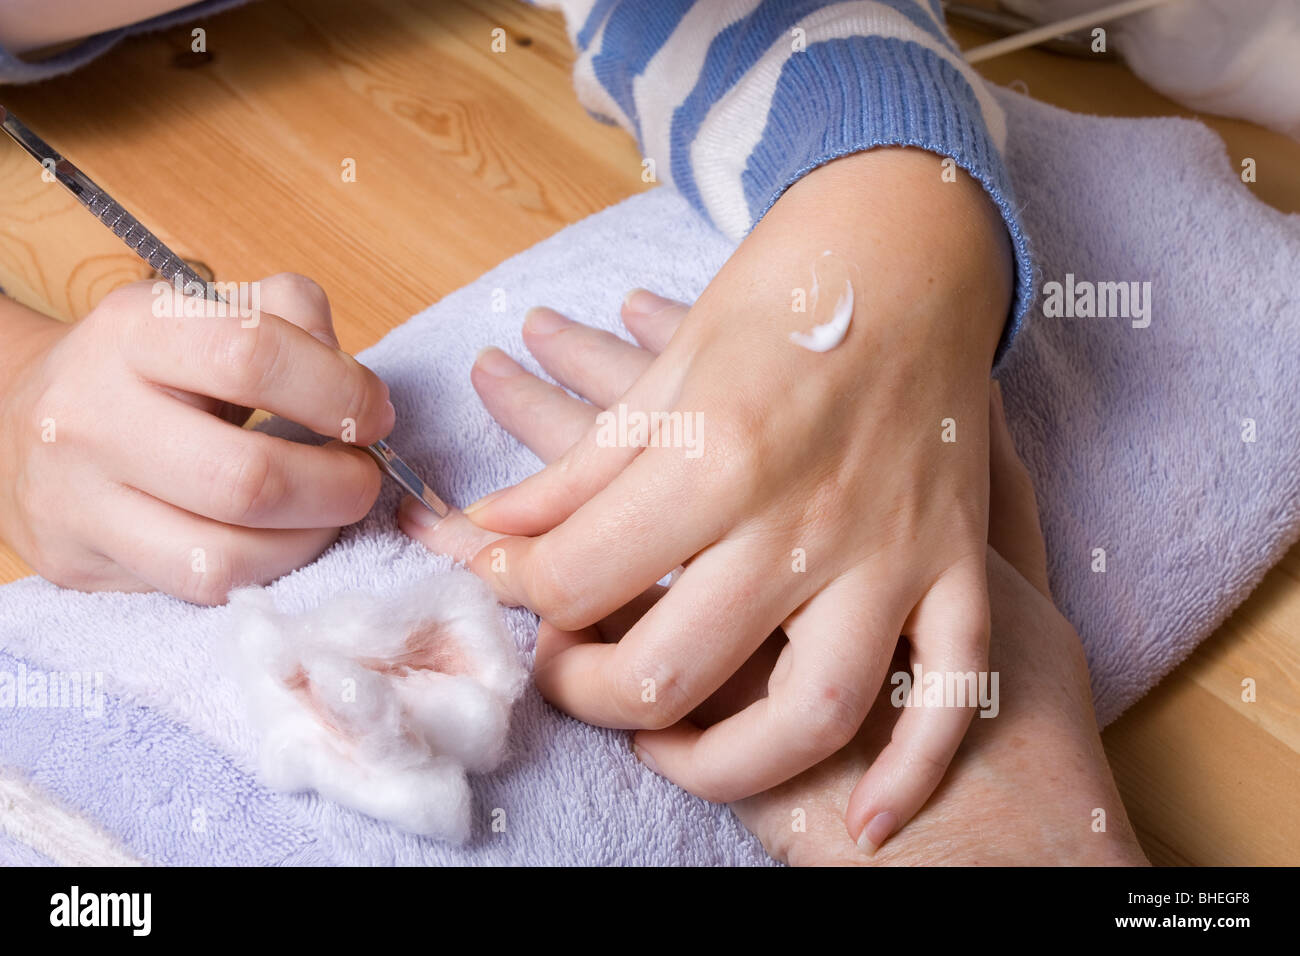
(1050, 30)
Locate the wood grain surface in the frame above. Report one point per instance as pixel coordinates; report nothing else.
(464, 157)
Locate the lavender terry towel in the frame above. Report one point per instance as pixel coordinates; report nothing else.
(1137, 438)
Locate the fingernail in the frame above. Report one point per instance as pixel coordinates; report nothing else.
(877, 832)
(413, 512)
(645, 302)
(496, 363)
(481, 502)
(392, 412)
(645, 758)
(543, 321)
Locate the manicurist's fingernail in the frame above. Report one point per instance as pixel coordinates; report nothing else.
(496, 363)
(543, 321)
(414, 513)
(644, 757)
(481, 502)
(645, 302)
(877, 831)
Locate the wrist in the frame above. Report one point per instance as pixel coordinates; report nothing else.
(27, 335)
(932, 253)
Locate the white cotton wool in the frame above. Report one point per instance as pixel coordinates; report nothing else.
(1229, 57)
(382, 702)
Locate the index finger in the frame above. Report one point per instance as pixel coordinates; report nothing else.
(263, 361)
(683, 649)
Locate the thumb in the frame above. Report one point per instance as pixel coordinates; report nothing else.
(1014, 531)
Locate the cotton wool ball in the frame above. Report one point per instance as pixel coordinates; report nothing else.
(381, 702)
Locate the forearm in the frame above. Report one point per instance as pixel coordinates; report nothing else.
(31, 24)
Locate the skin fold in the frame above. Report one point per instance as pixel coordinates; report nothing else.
(1030, 786)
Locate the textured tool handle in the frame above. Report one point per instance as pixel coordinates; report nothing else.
(143, 242)
(104, 208)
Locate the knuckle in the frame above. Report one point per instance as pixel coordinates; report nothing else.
(369, 483)
(660, 691)
(226, 569)
(733, 456)
(363, 401)
(649, 695)
(822, 508)
(252, 485)
(209, 589)
(304, 290)
(832, 712)
(123, 314)
(242, 357)
(554, 593)
(924, 763)
(125, 302)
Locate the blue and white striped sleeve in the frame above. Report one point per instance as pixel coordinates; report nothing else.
(735, 100)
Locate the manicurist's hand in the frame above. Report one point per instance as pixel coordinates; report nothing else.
(840, 494)
(125, 467)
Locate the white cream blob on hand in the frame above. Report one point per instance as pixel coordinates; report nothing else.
(382, 702)
(829, 334)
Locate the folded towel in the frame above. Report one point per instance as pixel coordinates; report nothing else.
(1164, 444)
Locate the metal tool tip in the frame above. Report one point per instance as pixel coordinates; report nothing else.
(434, 503)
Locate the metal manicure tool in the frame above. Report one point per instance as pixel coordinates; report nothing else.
(175, 270)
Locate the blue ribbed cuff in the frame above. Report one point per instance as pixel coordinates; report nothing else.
(846, 95)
